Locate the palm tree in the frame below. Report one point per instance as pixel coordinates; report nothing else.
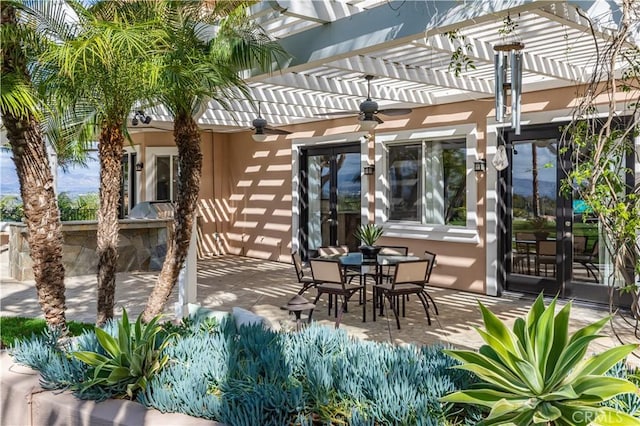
(199, 67)
(103, 64)
(19, 107)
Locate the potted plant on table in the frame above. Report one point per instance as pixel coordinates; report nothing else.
(540, 226)
(368, 235)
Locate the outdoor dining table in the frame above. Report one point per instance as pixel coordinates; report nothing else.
(369, 266)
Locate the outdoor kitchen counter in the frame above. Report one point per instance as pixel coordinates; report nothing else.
(142, 245)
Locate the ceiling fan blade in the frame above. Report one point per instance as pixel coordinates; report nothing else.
(272, 131)
(339, 113)
(395, 111)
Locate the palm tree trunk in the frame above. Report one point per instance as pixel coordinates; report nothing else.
(187, 137)
(44, 229)
(110, 151)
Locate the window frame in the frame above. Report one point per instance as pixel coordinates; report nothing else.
(151, 153)
(420, 230)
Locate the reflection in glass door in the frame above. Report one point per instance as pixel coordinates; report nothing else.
(549, 241)
(127, 184)
(534, 184)
(331, 194)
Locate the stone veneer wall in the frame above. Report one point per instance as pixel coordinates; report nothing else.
(142, 246)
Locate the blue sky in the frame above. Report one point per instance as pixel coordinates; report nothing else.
(79, 180)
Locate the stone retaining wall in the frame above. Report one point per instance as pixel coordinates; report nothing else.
(142, 246)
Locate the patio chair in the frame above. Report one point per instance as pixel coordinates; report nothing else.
(329, 279)
(525, 245)
(387, 273)
(589, 260)
(325, 251)
(410, 277)
(546, 255)
(431, 257)
(306, 281)
(330, 251)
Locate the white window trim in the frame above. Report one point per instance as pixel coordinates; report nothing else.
(150, 168)
(414, 230)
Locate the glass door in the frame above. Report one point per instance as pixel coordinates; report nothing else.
(548, 241)
(330, 196)
(534, 199)
(127, 184)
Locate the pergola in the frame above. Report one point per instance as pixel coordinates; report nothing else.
(408, 47)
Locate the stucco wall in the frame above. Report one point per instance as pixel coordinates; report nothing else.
(246, 191)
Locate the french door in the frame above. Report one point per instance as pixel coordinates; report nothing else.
(128, 184)
(330, 194)
(548, 240)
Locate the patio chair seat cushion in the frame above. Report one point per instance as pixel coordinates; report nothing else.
(408, 287)
(337, 286)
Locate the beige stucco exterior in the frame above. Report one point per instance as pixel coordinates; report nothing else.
(247, 191)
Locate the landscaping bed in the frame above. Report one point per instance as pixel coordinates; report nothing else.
(233, 369)
(250, 375)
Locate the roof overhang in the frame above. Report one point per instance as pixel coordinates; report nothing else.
(406, 46)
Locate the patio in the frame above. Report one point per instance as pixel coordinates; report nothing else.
(263, 286)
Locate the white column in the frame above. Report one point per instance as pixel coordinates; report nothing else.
(188, 279)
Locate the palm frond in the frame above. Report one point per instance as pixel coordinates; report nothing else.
(17, 97)
(72, 133)
(51, 20)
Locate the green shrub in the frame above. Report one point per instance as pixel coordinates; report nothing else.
(127, 362)
(13, 329)
(368, 234)
(537, 373)
(81, 207)
(11, 209)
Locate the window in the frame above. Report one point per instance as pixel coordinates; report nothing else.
(427, 182)
(166, 177)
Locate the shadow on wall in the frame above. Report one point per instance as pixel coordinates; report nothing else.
(255, 219)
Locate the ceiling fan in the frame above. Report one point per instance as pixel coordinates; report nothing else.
(259, 124)
(369, 110)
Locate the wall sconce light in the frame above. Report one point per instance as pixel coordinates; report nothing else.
(480, 166)
(139, 166)
(140, 117)
(369, 169)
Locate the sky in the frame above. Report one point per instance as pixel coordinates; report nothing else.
(79, 180)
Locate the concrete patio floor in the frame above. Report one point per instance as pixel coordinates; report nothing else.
(264, 286)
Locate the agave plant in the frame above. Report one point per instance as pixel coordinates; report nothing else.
(368, 234)
(537, 373)
(130, 361)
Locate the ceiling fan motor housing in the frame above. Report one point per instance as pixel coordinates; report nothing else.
(259, 123)
(368, 106)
